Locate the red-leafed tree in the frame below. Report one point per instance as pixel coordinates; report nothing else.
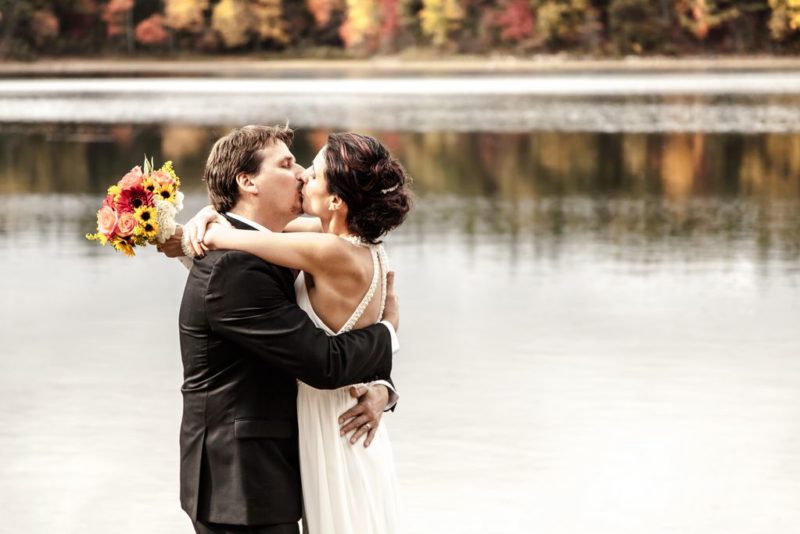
(515, 20)
(389, 15)
(118, 17)
(151, 31)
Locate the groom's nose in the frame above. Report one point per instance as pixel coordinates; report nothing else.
(298, 170)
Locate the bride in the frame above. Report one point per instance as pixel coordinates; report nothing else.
(356, 192)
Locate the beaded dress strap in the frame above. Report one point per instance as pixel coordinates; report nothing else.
(359, 311)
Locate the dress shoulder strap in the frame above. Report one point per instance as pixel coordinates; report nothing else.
(369, 295)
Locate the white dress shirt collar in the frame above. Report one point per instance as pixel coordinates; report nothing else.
(247, 221)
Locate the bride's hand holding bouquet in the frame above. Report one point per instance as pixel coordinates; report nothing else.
(140, 209)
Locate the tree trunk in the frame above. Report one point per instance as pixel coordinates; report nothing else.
(10, 10)
(129, 31)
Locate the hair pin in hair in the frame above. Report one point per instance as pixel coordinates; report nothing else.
(390, 189)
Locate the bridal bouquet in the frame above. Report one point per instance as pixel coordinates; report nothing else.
(140, 208)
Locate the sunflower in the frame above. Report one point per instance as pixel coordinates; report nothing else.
(122, 245)
(150, 185)
(166, 192)
(148, 222)
(145, 214)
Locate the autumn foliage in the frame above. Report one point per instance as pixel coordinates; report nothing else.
(598, 27)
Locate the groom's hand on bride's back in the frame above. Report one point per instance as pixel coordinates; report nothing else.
(364, 418)
(391, 311)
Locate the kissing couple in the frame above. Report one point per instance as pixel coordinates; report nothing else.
(287, 332)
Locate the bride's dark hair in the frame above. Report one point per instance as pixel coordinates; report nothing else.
(362, 172)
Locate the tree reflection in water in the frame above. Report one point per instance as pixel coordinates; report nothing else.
(689, 193)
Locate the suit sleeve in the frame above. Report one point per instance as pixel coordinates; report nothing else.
(248, 305)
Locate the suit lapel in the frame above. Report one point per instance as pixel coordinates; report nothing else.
(288, 275)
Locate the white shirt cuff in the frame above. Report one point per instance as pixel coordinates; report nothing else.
(395, 341)
(393, 396)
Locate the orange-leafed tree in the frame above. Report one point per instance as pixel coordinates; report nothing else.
(702, 16)
(322, 10)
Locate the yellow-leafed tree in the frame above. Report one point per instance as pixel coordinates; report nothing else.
(185, 15)
(784, 19)
(231, 19)
(438, 18)
(268, 22)
(361, 25)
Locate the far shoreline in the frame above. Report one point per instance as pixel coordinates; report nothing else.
(248, 67)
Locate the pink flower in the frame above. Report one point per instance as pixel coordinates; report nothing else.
(126, 224)
(163, 178)
(132, 179)
(106, 220)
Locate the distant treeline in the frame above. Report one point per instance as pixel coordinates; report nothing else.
(31, 28)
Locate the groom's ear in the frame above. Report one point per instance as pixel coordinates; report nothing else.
(245, 182)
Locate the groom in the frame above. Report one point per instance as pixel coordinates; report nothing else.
(244, 342)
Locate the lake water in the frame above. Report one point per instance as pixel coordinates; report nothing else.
(599, 328)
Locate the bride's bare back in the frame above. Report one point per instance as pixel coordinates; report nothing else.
(336, 292)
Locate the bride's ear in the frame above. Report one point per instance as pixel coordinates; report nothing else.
(334, 203)
(245, 182)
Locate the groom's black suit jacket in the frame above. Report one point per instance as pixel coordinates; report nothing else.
(243, 343)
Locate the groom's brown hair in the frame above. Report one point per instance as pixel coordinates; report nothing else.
(236, 153)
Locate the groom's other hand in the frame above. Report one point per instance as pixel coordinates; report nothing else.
(364, 417)
(391, 311)
(171, 248)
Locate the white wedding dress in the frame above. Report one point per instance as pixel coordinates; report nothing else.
(347, 489)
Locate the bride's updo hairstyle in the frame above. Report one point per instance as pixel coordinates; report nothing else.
(374, 185)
